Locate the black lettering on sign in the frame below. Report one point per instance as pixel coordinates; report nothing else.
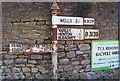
(106, 53)
(17, 50)
(86, 34)
(115, 52)
(98, 54)
(16, 45)
(91, 34)
(66, 20)
(70, 20)
(65, 34)
(88, 21)
(95, 34)
(76, 21)
(64, 30)
(92, 21)
(13, 45)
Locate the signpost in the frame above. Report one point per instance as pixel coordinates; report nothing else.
(89, 21)
(70, 34)
(105, 55)
(15, 47)
(77, 34)
(64, 20)
(62, 34)
(54, 8)
(91, 34)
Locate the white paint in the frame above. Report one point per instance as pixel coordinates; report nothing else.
(54, 26)
(91, 34)
(54, 48)
(64, 20)
(14, 47)
(54, 63)
(70, 34)
(105, 55)
(89, 21)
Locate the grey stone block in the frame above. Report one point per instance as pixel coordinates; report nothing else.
(75, 63)
(20, 60)
(7, 70)
(84, 62)
(47, 57)
(36, 56)
(16, 76)
(30, 75)
(84, 46)
(9, 61)
(61, 54)
(25, 69)
(34, 70)
(87, 52)
(32, 61)
(30, 65)
(71, 54)
(61, 48)
(38, 76)
(71, 47)
(64, 61)
(9, 77)
(79, 52)
(16, 70)
(87, 68)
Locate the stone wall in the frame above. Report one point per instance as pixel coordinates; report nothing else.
(74, 63)
(30, 23)
(27, 66)
(75, 56)
(26, 23)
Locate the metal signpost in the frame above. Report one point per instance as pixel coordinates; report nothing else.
(54, 9)
(60, 34)
(69, 33)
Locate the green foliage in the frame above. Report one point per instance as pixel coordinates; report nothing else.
(48, 29)
(49, 17)
(83, 8)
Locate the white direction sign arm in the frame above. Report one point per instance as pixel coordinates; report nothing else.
(63, 20)
(89, 21)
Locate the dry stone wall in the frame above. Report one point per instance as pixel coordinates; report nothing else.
(74, 63)
(30, 23)
(27, 66)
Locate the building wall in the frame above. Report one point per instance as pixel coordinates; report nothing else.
(20, 25)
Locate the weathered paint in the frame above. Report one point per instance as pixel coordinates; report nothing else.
(91, 34)
(15, 47)
(54, 9)
(70, 34)
(64, 20)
